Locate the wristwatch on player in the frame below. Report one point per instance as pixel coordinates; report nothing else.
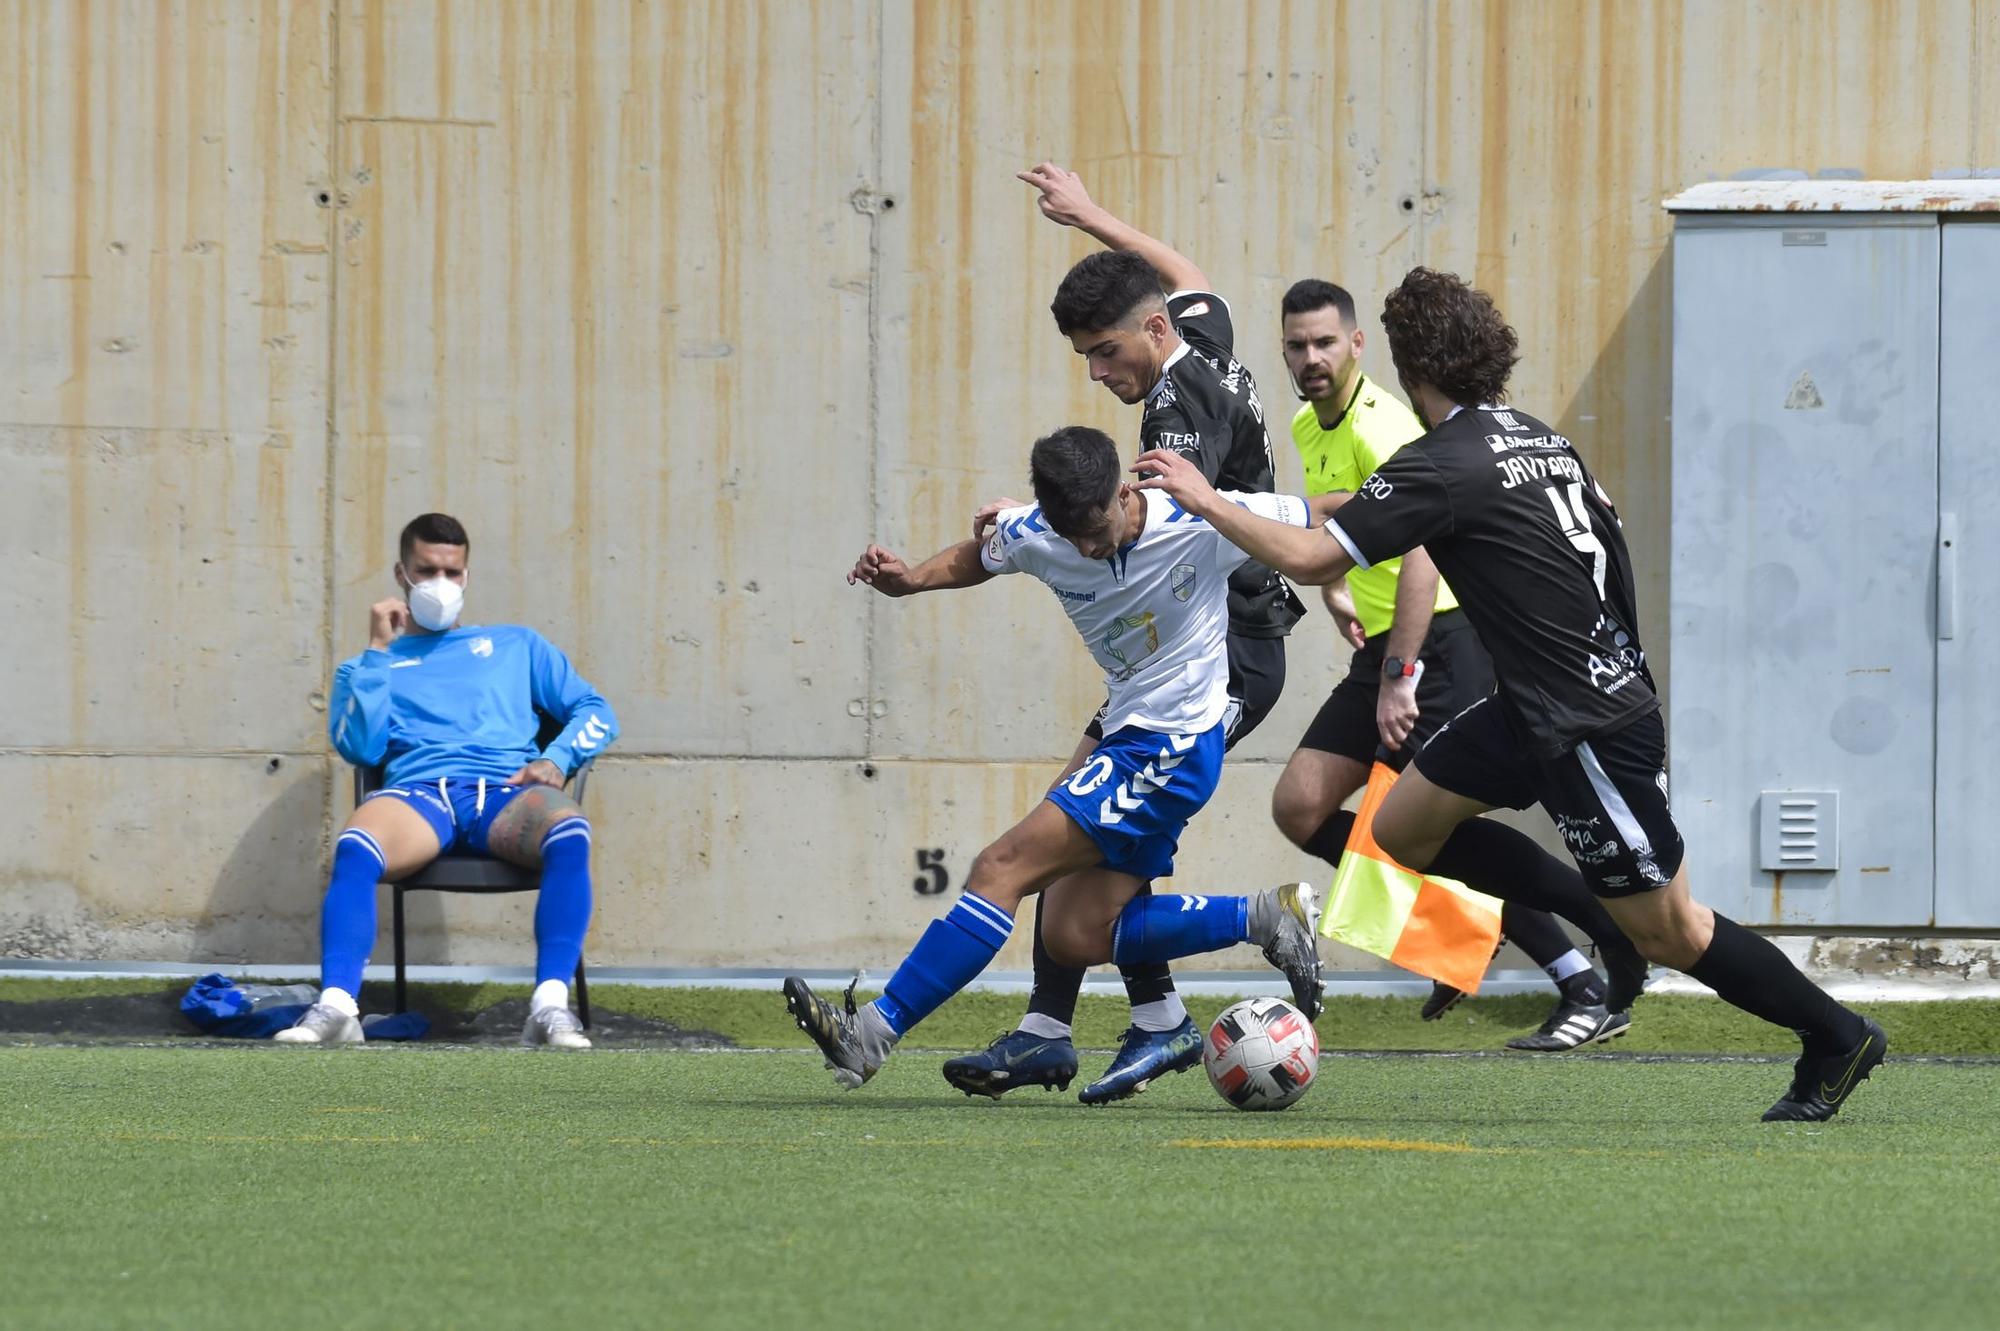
(1394, 666)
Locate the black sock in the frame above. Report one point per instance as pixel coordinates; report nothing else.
(1748, 971)
(1056, 985)
(1502, 862)
(1330, 841)
(1584, 987)
(1148, 983)
(1536, 933)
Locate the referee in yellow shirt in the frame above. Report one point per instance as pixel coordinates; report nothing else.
(1417, 662)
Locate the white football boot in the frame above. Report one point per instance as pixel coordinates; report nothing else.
(554, 1028)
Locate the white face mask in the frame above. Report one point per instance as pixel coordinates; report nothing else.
(436, 604)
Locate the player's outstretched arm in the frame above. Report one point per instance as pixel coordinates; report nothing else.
(1321, 508)
(954, 566)
(1065, 200)
(1303, 554)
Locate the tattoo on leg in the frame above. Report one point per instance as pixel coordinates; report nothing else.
(516, 834)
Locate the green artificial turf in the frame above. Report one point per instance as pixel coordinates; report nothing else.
(264, 1186)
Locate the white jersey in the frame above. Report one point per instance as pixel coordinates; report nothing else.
(1155, 615)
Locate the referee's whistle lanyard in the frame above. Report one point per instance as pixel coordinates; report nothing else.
(1335, 423)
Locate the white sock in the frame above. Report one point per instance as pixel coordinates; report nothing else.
(1045, 1026)
(1569, 963)
(548, 994)
(340, 1001)
(1162, 1014)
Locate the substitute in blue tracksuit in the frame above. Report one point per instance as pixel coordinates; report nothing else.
(453, 712)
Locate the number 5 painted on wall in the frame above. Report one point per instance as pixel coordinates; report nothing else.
(931, 864)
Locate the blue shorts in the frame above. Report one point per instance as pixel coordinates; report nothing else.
(1137, 791)
(460, 810)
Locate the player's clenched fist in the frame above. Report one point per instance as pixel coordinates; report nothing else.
(885, 572)
(1159, 469)
(386, 621)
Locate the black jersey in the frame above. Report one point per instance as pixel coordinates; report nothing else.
(1532, 546)
(1205, 408)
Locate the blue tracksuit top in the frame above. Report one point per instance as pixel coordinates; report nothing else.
(463, 703)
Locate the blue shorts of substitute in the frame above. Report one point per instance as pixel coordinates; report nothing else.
(1137, 791)
(460, 810)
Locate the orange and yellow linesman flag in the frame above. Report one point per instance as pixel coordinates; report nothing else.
(1440, 929)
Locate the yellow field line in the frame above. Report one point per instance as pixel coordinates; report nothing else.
(1327, 1144)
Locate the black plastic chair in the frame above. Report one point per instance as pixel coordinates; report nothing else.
(472, 873)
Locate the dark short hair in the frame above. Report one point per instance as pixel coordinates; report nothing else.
(1103, 290)
(1444, 333)
(1075, 474)
(1312, 293)
(432, 529)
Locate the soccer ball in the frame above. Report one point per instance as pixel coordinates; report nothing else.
(1261, 1053)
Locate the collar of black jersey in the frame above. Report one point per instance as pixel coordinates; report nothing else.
(1168, 364)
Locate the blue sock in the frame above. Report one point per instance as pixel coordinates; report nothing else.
(347, 916)
(562, 912)
(951, 953)
(1160, 928)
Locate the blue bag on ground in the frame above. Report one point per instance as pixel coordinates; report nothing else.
(217, 1005)
(395, 1026)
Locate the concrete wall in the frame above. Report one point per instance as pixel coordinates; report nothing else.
(677, 305)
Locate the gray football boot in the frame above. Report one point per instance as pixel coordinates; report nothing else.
(1283, 922)
(855, 1043)
(322, 1024)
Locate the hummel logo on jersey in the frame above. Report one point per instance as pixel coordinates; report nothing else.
(594, 733)
(482, 646)
(1029, 521)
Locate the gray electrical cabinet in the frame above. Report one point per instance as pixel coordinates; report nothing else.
(1834, 727)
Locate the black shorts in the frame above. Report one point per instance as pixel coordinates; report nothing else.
(1457, 674)
(1256, 678)
(1608, 795)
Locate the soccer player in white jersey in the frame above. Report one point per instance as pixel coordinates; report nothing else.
(1146, 585)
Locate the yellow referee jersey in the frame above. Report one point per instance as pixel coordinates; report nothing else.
(1375, 426)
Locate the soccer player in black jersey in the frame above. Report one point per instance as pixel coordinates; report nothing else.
(1143, 318)
(1530, 542)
